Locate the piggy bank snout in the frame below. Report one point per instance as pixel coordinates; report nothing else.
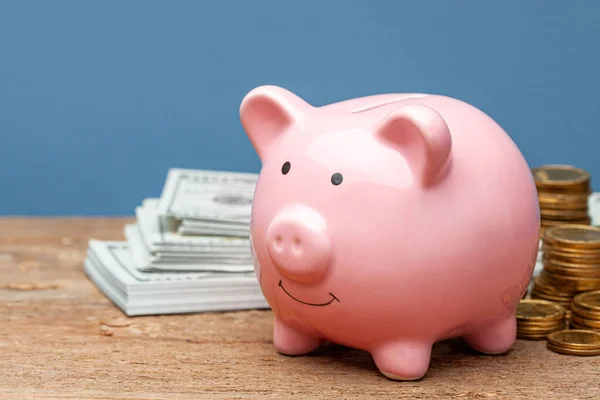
(298, 244)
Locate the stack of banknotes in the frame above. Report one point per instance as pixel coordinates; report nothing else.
(188, 251)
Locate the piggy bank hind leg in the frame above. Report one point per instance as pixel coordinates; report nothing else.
(403, 361)
(294, 341)
(495, 337)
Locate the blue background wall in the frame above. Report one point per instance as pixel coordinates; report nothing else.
(99, 99)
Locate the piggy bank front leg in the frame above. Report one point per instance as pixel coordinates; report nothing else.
(495, 337)
(403, 361)
(294, 340)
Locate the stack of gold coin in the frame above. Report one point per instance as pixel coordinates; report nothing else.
(585, 311)
(538, 318)
(575, 342)
(571, 263)
(563, 192)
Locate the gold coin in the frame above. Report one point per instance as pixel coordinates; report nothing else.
(563, 215)
(564, 207)
(573, 236)
(532, 336)
(588, 323)
(548, 223)
(531, 310)
(560, 297)
(589, 301)
(574, 325)
(559, 267)
(565, 304)
(549, 196)
(540, 324)
(541, 331)
(575, 339)
(571, 252)
(540, 286)
(563, 301)
(555, 299)
(552, 196)
(552, 297)
(571, 257)
(561, 201)
(581, 272)
(560, 175)
(573, 283)
(592, 315)
(572, 352)
(589, 262)
(590, 256)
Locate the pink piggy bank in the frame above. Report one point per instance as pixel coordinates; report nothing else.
(388, 223)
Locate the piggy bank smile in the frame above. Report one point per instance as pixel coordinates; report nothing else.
(331, 300)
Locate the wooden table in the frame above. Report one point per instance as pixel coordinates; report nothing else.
(57, 341)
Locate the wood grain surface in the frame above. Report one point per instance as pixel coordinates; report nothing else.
(61, 338)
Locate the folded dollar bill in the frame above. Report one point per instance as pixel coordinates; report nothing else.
(216, 261)
(208, 195)
(154, 247)
(158, 238)
(191, 227)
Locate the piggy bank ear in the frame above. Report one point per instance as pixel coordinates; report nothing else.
(422, 136)
(267, 112)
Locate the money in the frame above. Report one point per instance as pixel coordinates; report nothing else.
(208, 195)
(538, 318)
(156, 248)
(563, 194)
(188, 227)
(574, 342)
(567, 273)
(570, 263)
(543, 291)
(154, 228)
(184, 261)
(111, 266)
(201, 222)
(558, 266)
(201, 203)
(579, 322)
(571, 283)
(586, 310)
(570, 238)
(188, 251)
(559, 201)
(561, 178)
(593, 204)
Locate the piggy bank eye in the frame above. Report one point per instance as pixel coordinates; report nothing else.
(285, 168)
(337, 178)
